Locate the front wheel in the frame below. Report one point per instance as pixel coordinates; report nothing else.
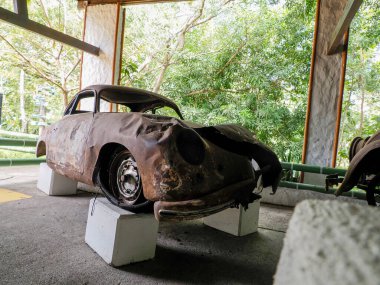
(123, 184)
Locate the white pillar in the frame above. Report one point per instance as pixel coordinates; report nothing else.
(324, 91)
(103, 28)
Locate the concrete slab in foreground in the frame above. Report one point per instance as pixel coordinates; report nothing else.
(330, 242)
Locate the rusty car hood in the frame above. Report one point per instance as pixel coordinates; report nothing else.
(239, 140)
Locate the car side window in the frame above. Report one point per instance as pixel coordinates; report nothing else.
(105, 106)
(84, 103)
(163, 111)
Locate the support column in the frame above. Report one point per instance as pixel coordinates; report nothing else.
(324, 90)
(103, 27)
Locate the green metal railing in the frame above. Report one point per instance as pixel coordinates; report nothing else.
(20, 161)
(26, 144)
(359, 194)
(356, 193)
(313, 168)
(18, 142)
(9, 134)
(16, 149)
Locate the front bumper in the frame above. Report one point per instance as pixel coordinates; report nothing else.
(224, 198)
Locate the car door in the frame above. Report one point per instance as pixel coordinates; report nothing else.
(68, 138)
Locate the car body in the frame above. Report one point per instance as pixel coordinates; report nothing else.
(187, 170)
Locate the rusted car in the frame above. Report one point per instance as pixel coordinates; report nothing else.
(137, 147)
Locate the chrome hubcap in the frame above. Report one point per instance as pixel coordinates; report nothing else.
(128, 180)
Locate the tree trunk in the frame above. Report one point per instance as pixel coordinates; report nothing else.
(42, 119)
(65, 93)
(65, 98)
(177, 43)
(24, 123)
(343, 126)
(361, 112)
(160, 78)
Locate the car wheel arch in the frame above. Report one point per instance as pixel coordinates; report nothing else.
(41, 148)
(104, 157)
(107, 154)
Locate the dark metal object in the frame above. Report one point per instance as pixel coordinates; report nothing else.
(364, 168)
(23, 22)
(217, 171)
(332, 180)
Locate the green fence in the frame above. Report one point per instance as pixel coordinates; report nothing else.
(20, 161)
(25, 144)
(313, 168)
(18, 142)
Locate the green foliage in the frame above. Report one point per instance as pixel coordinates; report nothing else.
(51, 69)
(361, 106)
(248, 65)
(244, 62)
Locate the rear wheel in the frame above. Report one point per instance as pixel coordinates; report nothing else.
(123, 186)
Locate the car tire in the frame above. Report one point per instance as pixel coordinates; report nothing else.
(124, 186)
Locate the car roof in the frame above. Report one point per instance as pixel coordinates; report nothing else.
(136, 99)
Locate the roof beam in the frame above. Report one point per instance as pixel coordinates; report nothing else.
(82, 3)
(20, 7)
(21, 20)
(349, 12)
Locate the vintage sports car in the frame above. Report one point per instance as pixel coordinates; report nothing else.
(129, 142)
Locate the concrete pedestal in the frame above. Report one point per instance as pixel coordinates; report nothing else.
(331, 242)
(118, 236)
(238, 222)
(55, 184)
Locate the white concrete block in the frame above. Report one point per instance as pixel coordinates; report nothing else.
(238, 222)
(55, 184)
(331, 242)
(120, 237)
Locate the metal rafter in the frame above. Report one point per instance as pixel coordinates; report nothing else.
(21, 7)
(349, 12)
(82, 3)
(20, 19)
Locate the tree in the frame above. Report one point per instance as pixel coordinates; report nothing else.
(240, 65)
(44, 61)
(361, 105)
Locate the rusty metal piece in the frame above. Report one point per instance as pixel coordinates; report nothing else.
(177, 160)
(364, 168)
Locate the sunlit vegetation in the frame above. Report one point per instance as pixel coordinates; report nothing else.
(222, 61)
